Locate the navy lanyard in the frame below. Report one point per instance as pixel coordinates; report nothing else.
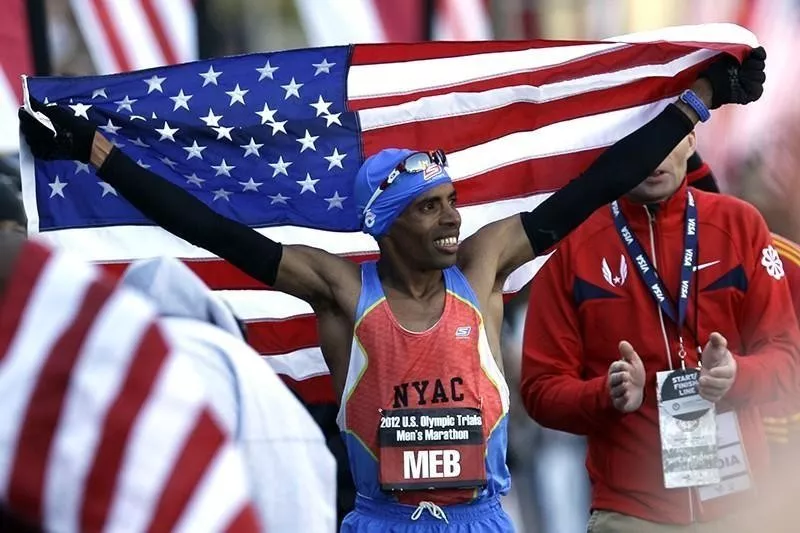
(649, 274)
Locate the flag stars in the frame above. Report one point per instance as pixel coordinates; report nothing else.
(223, 169)
(335, 159)
(126, 104)
(57, 188)
(323, 67)
(80, 166)
(251, 148)
(250, 185)
(142, 163)
(280, 166)
(266, 71)
(181, 100)
(307, 141)
(267, 114)
(107, 189)
(308, 184)
(321, 106)
(278, 199)
(335, 201)
(99, 92)
(292, 89)
(237, 95)
(80, 110)
(221, 193)
(154, 84)
(278, 126)
(167, 161)
(194, 180)
(223, 132)
(139, 142)
(110, 128)
(195, 150)
(332, 118)
(167, 132)
(211, 120)
(116, 143)
(210, 76)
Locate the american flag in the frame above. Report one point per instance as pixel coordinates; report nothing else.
(88, 385)
(275, 140)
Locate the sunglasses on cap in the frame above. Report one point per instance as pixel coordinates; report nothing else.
(413, 164)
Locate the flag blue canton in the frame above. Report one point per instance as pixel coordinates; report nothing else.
(262, 138)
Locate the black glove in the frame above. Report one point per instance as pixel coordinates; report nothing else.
(73, 139)
(733, 83)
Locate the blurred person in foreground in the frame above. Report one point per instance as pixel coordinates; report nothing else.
(657, 329)
(781, 418)
(88, 383)
(426, 316)
(289, 467)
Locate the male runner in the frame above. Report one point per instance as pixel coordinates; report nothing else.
(412, 340)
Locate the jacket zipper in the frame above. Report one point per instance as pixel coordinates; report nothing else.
(651, 226)
(655, 264)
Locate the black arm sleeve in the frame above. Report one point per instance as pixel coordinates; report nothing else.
(618, 170)
(183, 215)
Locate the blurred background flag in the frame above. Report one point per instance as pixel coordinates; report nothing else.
(126, 35)
(274, 141)
(16, 59)
(332, 22)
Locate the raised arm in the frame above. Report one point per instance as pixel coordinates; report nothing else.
(511, 242)
(307, 273)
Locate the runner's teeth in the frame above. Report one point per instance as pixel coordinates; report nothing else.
(449, 241)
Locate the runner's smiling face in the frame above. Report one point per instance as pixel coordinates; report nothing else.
(667, 177)
(427, 230)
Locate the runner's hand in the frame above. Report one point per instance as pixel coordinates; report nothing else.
(72, 140)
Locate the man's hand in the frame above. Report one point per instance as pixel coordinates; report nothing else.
(718, 370)
(626, 379)
(73, 138)
(732, 83)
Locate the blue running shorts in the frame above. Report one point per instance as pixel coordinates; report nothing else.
(377, 516)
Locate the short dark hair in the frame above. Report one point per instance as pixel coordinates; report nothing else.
(699, 175)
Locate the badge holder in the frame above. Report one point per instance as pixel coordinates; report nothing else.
(731, 461)
(688, 430)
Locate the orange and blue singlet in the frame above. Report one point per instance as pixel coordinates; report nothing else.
(424, 417)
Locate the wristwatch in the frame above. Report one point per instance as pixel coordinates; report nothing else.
(690, 98)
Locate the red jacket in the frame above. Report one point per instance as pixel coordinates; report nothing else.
(588, 297)
(782, 418)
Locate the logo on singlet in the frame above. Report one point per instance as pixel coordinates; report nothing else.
(463, 332)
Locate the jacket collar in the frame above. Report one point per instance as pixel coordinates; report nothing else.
(668, 213)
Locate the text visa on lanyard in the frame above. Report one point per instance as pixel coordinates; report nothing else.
(649, 274)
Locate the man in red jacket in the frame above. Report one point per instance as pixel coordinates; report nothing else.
(624, 313)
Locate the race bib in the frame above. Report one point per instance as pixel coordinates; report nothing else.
(426, 449)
